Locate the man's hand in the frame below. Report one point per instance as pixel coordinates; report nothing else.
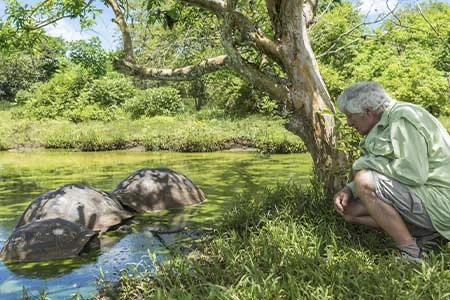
(342, 199)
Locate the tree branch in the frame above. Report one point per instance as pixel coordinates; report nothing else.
(332, 49)
(249, 31)
(262, 81)
(49, 21)
(123, 26)
(177, 74)
(432, 27)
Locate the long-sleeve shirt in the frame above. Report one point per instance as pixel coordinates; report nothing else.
(411, 146)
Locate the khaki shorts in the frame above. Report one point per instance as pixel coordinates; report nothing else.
(405, 202)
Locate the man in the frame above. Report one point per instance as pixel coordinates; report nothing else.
(402, 179)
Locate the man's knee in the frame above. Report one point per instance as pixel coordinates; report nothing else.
(365, 185)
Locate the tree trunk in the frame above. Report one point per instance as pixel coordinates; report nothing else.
(313, 118)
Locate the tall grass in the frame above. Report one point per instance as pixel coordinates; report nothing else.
(185, 133)
(290, 245)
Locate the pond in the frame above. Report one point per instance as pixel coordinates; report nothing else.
(222, 175)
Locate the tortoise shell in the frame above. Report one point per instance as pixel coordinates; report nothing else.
(152, 189)
(45, 240)
(77, 203)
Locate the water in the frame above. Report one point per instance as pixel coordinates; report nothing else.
(222, 175)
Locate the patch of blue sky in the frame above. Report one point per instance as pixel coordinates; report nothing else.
(70, 30)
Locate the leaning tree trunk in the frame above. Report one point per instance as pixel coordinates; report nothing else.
(313, 117)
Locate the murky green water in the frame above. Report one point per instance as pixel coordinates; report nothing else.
(223, 175)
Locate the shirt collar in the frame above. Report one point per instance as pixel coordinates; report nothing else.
(384, 121)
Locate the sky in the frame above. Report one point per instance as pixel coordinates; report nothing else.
(107, 31)
(69, 29)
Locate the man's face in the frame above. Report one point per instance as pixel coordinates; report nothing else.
(363, 122)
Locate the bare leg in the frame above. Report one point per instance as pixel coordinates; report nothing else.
(357, 213)
(384, 215)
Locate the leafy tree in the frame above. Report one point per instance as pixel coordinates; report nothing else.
(90, 55)
(408, 57)
(26, 59)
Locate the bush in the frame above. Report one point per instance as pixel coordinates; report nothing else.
(237, 97)
(113, 89)
(20, 70)
(90, 55)
(102, 99)
(70, 95)
(154, 102)
(53, 99)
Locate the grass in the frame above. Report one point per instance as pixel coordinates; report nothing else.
(289, 245)
(185, 133)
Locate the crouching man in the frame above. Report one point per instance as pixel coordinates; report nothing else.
(402, 179)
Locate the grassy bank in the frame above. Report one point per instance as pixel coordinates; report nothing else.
(289, 245)
(183, 133)
(186, 133)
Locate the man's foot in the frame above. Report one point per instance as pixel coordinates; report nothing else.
(410, 258)
(411, 252)
(430, 241)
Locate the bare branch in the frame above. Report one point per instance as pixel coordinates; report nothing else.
(432, 27)
(249, 31)
(177, 74)
(263, 81)
(123, 26)
(56, 19)
(332, 49)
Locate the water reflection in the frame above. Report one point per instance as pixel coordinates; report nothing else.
(26, 175)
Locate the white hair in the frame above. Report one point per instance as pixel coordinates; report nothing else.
(357, 97)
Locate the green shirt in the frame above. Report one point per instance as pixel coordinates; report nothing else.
(411, 146)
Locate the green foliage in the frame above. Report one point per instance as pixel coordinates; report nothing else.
(74, 95)
(25, 63)
(335, 37)
(113, 89)
(163, 101)
(237, 97)
(443, 61)
(348, 139)
(53, 99)
(446, 122)
(407, 54)
(183, 133)
(102, 98)
(28, 17)
(90, 55)
(413, 78)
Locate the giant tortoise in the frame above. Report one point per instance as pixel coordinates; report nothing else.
(79, 204)
(151, 189)
(47, 239)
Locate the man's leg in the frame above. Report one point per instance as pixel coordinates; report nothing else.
(384, 215)
(357, 213)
